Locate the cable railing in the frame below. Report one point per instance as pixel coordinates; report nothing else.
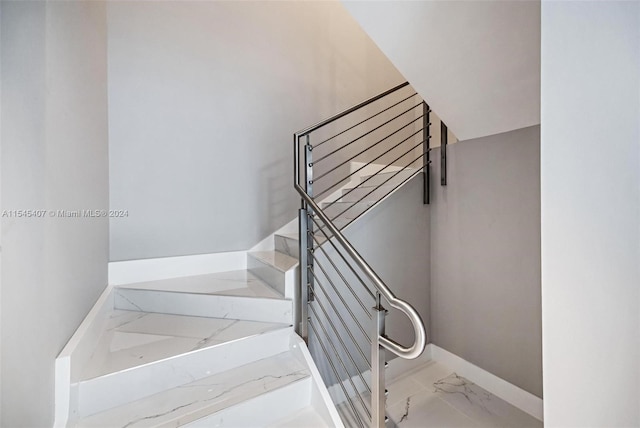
(343, 167)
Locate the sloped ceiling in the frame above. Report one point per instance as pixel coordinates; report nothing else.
(477, 63)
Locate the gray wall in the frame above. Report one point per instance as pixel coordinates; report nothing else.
(485, 255)
(54, 156)
(204, 98)
(394, 239)
(591, 213)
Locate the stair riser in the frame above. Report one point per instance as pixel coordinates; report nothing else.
(118, 388)
(205, 305)
(269, 274)
(382, 178)
(359, 193)
(286, 245)
(345, 210)
(252, 413)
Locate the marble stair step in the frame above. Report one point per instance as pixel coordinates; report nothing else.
(234, 294)
(287, 243)
(339, 222)
(388, 178)
(346, 210)
(273, 267)
(139, 354)
(237, 397)
(369, 193)
(306, 417)
(240, 283)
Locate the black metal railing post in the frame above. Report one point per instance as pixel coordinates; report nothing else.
(443, 153)
(426, 167)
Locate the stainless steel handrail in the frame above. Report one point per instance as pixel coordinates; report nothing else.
(420, 339)
(333, 118)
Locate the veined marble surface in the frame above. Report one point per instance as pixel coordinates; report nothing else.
(434, 396)
(134, 338)
(287, 243)
(232, 283)
(278, 260)
(189, 402)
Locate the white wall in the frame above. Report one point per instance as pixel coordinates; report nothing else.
(476, 62)
(485, 255)
(54, 156)
(204, 98)
(590, 213)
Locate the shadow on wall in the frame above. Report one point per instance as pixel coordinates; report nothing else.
(274, 197)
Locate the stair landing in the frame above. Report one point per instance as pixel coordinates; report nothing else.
(133, 338)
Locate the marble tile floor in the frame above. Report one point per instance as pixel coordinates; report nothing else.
(132, 338)
(433, 396)
(189, 402)
(232, 283)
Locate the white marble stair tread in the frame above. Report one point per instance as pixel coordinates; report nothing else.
(278, 260)
(388, 178)
(291, 235)
(190, 402)
(132, 338)
(240, 283)
(306, 417)
(339, 222)
(365, 192)
(347, 210)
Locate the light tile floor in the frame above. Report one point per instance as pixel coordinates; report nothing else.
(433, 396)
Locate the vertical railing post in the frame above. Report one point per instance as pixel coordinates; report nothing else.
(444, 135)
(378, 392)
(308, 185)
(303, 233)
(303, 303)
(426, 134)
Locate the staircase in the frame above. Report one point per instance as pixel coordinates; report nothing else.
(207, 350)
(249, 348)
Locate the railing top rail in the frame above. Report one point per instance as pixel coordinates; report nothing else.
(318, 125)
(420, 339)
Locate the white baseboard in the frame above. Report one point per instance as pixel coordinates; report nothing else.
(510, 393)
(131, 271)
(399, 367)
